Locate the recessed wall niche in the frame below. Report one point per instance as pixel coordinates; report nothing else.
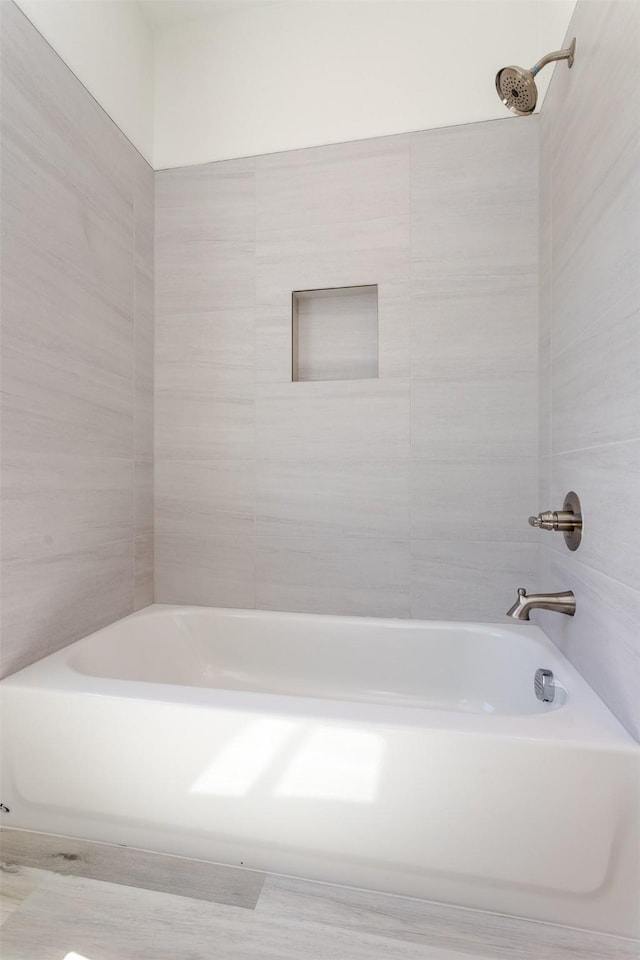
(335, 333)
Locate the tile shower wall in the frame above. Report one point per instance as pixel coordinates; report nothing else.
(590, 347)
(77, 357)
(406, 494)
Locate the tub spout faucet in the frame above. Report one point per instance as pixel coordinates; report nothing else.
(560, 602)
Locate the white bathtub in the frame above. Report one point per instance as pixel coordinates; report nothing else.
(402, 756)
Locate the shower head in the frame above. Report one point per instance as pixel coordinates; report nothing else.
(517, 90)
(517, 87)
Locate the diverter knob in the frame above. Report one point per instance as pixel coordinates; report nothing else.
(567, 521)
(545, 521)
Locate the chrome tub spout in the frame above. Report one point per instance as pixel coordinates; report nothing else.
(560, 602)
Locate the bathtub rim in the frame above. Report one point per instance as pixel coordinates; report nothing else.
(584, 721)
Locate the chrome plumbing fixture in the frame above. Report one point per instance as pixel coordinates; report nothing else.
(567, 521)
(517, 87)
(545, 688)
(560, 602)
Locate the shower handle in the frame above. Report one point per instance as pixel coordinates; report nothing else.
(567, 521)
(555, 520)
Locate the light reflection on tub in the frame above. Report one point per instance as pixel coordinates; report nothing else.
(289, 759)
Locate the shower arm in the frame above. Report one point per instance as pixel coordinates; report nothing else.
(566, 54)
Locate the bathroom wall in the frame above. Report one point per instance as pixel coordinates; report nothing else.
(590, 347)
(77, 357)
(404, 494)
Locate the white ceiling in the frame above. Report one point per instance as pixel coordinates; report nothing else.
(193, 81)
(161, 13)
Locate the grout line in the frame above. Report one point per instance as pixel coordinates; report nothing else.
(594, 446)
(352, 538)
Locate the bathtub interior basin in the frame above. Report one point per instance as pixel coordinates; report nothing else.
(473, 668)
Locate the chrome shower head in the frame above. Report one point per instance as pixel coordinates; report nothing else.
(517, 90)
(517, 87)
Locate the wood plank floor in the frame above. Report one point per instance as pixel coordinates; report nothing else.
(49, 916)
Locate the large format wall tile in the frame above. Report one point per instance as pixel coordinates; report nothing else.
(469, 581)
(57, 411)
(599, 416)
(596, 226)
(144, 205)
(330, 217)
(595, 222)
(215, 201)
(544, 487)
(143, 503)
(143, 587)
(57, 504)
(51, 601)
(49, 116)
(274, 343)
(204, 386)
(211, 570)
(584, 123)
(607, 479)
(335, 185)
(196, 423)
(544, 292)
(347, 420)
(36, 285)
(77, 360)
(144, 303)
(200, 277)
(601, 639)
(333, 498)
(544, 402)
(590, 342)
(59, 231)
(205, 497)
(474, 499)
(599, 265)
(457, 418)
(143, 364)
(457, 365)
(218, 345)
(473, 326)
(475, 199)
(324, 256)
(358, 577)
